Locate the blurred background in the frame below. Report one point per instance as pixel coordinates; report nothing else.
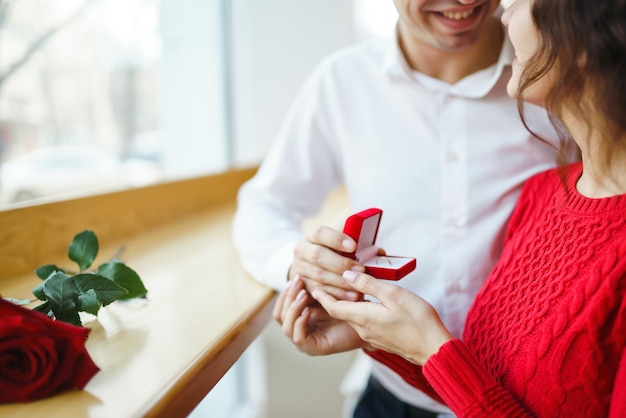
(106, 94)
(103, 95)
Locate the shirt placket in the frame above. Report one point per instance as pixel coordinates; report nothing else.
(455, 194)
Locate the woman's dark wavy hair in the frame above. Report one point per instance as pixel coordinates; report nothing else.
(585, 41)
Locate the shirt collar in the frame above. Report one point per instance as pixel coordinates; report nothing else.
(482, 82)
(479, 84)
(394, 62)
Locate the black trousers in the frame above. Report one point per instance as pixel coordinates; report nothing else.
(378, 402)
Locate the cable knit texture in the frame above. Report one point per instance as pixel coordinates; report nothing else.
(546, 334)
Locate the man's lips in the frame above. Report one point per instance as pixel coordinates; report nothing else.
(459, 19)
(458, 15)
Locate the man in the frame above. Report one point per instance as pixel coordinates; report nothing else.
(420, 126)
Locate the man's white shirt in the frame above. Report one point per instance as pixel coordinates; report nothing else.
(444, 162)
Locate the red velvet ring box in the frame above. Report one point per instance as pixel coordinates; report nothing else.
(363, 228)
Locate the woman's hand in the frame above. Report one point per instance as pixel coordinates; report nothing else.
(400, 322)
(309, 326)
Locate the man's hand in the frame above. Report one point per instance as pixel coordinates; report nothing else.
(319, 262)
(308, 325)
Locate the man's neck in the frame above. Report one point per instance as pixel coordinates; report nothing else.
(453, 66)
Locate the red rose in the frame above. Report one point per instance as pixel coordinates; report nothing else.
(40, 356)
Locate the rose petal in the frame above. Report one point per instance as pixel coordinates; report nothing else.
(40, 356)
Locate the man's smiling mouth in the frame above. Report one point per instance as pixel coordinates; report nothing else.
(458, 15)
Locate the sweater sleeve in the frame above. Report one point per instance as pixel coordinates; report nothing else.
(468, 389)
(453, 377)
(411, 373)
(618, 399)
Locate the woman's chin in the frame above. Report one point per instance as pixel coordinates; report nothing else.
(512, 88)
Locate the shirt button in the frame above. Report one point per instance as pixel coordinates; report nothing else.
(456, 222)
(454, 288)
(453, 157)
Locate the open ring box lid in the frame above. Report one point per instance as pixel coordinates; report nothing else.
(363, 228)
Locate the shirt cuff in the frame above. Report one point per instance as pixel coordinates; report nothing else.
(458, 377)
(277, 268)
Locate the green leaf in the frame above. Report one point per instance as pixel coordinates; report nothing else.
(126, 277)
(71, 317)
(106, 290)
(38, 291)
(83, 249)
(62, 295)
(44, 308)
(66, 293)
(89, 302)
(46, 270)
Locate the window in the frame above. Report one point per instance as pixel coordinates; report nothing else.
(78, 82)
(101, 94)
(159, 89)
(139, 82)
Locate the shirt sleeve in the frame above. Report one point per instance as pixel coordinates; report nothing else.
(291, 185)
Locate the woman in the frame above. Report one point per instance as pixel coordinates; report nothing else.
(546, 335)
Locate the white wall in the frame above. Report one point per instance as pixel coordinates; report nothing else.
(275, 45)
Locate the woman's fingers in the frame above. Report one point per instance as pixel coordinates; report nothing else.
(366, 284)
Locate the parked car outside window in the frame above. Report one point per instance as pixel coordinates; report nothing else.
(71, 171)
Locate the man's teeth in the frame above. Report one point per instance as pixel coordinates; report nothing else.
(458, 15)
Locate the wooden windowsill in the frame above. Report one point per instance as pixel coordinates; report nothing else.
(158, 357)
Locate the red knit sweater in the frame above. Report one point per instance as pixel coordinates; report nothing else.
(546, 335)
